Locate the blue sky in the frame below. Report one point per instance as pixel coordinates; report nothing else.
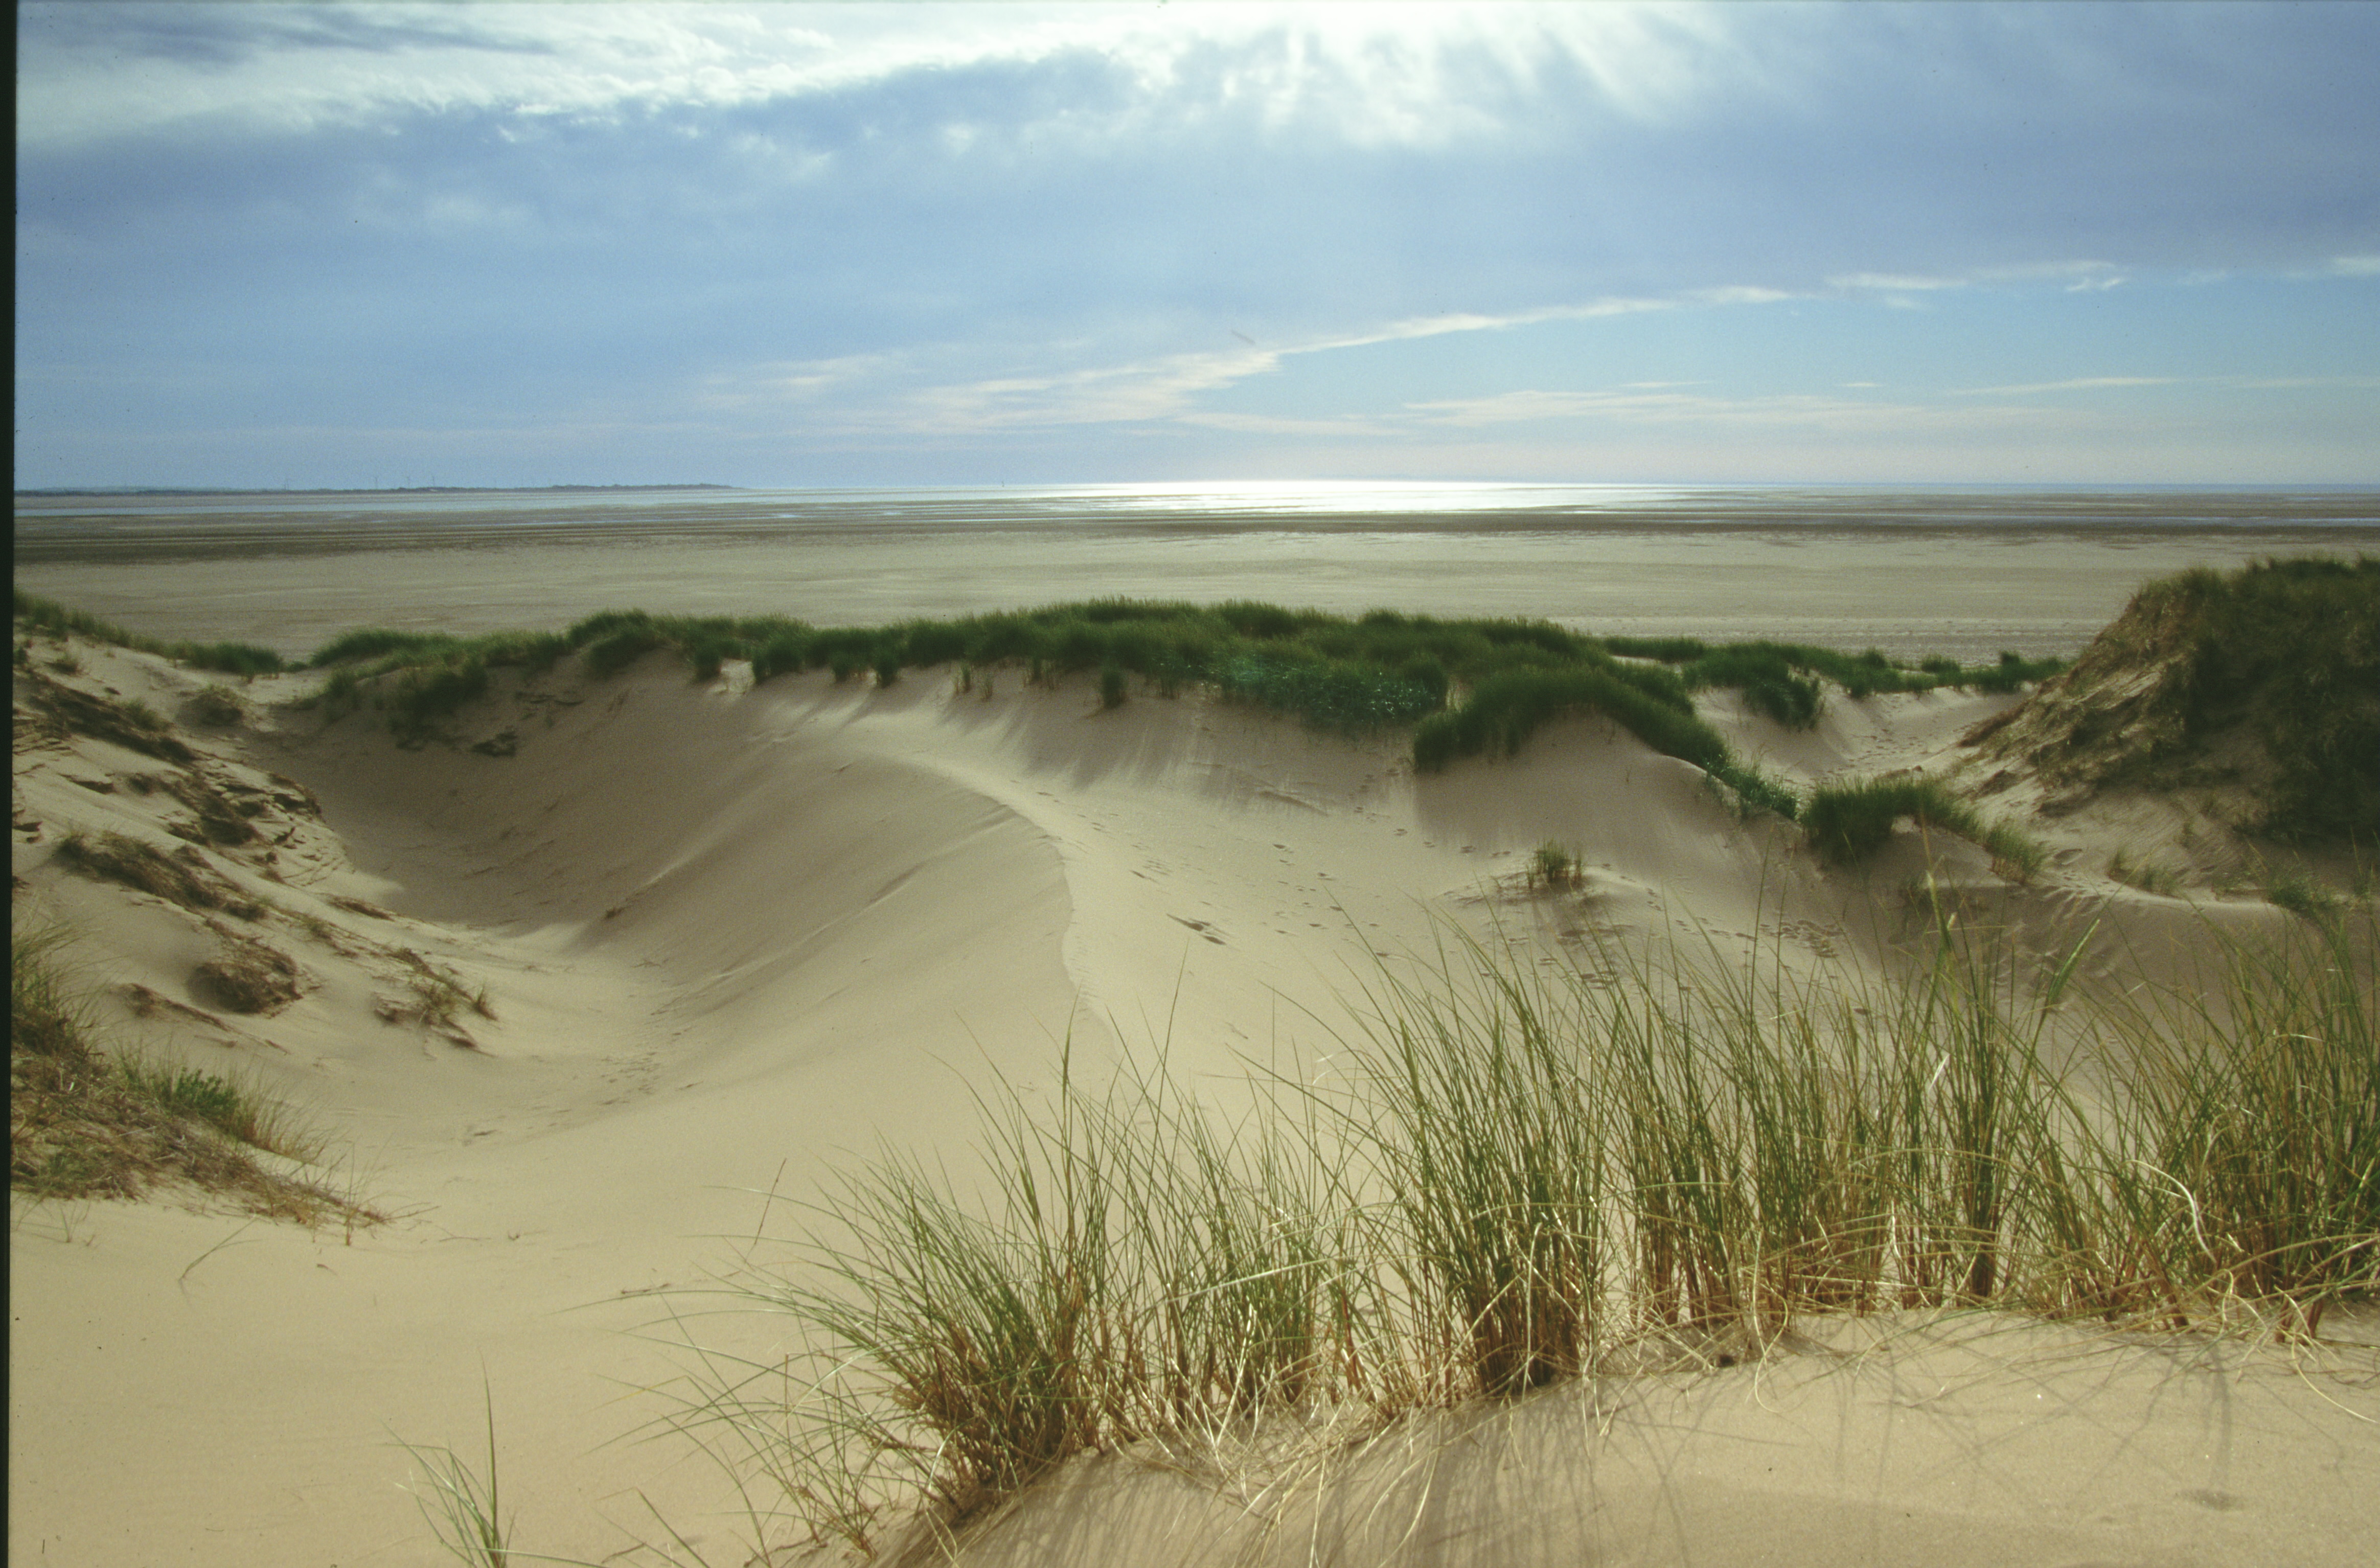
(825, 245)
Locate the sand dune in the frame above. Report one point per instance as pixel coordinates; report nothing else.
(733, 938)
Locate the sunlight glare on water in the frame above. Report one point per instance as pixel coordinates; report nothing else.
(1965, 572)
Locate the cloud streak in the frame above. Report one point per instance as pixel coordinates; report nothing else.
(2073, 383)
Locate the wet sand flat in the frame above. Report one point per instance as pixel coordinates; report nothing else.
(1962, 574)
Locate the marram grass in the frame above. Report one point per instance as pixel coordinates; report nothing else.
(1849, 821)
(34, 613)
(85, 1121)
(1516, 1174)
(1464, 687)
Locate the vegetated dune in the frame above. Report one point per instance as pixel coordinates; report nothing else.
(609, 980)
(2218, 714)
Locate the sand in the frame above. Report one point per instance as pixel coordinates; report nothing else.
(736, 938)
(1960, 574)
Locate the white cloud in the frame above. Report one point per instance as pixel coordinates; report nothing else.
(1811, 411)
(2296, 384)
(1413, 76)
(1440, 326)
(2075, 383)
(1897, 283)
(879, 392)
(2086, 275)
(2036, 271)
(1133, 392)
(1270, 424)
(770, 384)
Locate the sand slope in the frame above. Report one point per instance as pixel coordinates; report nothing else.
(1894, 1441)
(732, 939)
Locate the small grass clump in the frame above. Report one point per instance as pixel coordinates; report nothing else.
(218, 705)
(1850, 822)
(2149, 876)
(248, 977)
(1553, 864)
(204, 1097)
(179, 878)
(83, 1124)
(2302, 895)
(463, 1506)
(439, 997)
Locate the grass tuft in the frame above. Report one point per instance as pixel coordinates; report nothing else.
(1850, 822)
(248, 977)
(1504, 710)
(1518, 1173)
(83, 1124)
(218, 705)
(2149, 876)
(182, 877)
(2302, 895)
(464, 1507)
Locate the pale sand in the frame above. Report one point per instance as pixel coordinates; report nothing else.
(736, 937)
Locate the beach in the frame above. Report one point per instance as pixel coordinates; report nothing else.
(736, 939)
(1962, 574)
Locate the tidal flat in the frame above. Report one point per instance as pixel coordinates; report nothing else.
(1959, 573)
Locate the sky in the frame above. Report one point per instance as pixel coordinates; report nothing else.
(793, 245)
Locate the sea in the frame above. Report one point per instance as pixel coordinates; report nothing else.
(1963, 571)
